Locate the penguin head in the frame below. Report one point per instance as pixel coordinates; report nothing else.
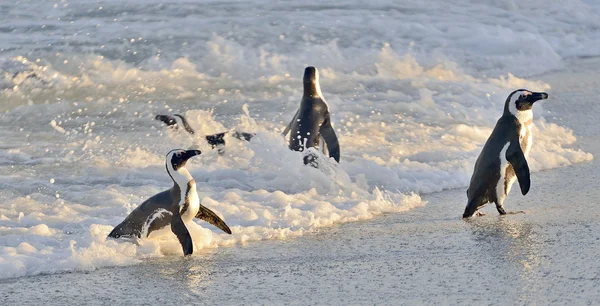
(175, 120)
(311, 82)
(176, 159)
(166, 119)
(311, 75)
(522, 100)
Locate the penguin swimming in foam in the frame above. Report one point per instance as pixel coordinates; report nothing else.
(504, 156)
(175, 207)
(311, 126)
(176, 121)
(215, 141)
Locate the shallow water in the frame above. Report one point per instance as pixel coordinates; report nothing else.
(414, 92)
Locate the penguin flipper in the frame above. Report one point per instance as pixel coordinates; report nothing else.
(289, 126)
(212, 218)
(328, 134)
(516, 158)
(182, 233)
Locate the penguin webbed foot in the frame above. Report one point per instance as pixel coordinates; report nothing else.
(312, 160)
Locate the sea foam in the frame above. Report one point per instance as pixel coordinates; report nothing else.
(414, 92)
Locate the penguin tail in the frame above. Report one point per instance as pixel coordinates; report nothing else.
(471, 208)
(114, 234)
(121, 232)
(117, 232)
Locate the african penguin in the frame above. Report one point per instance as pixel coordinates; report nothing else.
(311, 126)
(175, 207)
(504, 156)
(215, 141)
(176, 121)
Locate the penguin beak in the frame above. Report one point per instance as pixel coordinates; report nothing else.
(190, 153)
(536, 96)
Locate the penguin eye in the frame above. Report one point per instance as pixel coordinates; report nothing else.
(178, 154)
(525, 94)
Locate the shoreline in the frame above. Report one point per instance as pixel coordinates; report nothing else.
(424, 255)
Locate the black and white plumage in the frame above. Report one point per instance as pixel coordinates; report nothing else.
(311, 125)
(175, 207)
(504, 156)
(176, 121)
(215, 141)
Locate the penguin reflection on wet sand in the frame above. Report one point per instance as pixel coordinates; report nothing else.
(175, 207)
(311, 126)
(504, 156)
(215, 141)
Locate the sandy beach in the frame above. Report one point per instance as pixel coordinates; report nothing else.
(428, 255)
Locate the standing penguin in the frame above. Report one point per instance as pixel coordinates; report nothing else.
(312, 122)
(175, 207)
(504, 154)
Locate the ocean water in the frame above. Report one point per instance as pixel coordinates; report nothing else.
(414, 90)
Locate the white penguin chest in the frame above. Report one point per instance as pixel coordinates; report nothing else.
(526, 138)
(505, 181)
(191, 204)
(525, 119)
